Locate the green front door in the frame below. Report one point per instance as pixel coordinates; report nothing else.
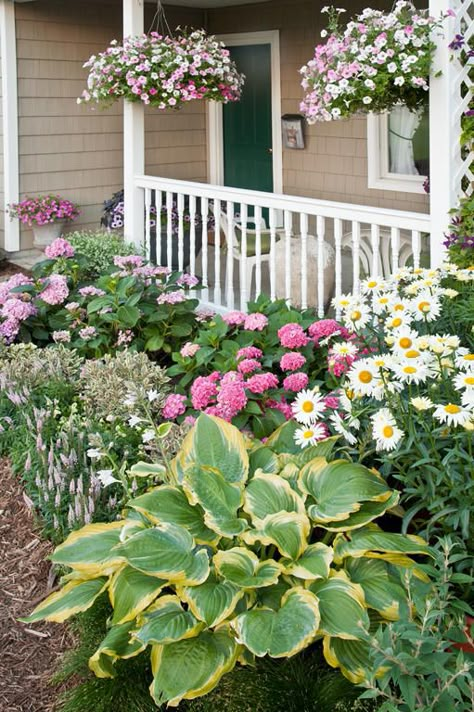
(248, 123)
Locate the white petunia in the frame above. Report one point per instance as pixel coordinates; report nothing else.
(308, 407)
(385, 431)
(452, 414)
(310, 435)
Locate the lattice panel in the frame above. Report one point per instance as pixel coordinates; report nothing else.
(464, 99)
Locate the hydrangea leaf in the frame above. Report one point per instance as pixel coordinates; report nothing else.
(192, 668)
(270, 494)
(165, 622)
(75, 597)
(132, 591)
(212, 601)
(289, 532)
(280, 633)
(168, 552)
(243, 568)
(313, 564)
(116, 644)
(342, 607)
(170, 504)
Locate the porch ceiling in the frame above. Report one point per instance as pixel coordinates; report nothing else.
(208, 4)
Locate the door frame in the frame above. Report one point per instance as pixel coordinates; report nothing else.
(215, 140)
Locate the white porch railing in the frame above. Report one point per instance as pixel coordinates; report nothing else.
(243, 243)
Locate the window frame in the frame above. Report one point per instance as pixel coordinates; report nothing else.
(379, 177)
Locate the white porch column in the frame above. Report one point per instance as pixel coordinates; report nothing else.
(445, 130)
(11, 190)
(134, 139)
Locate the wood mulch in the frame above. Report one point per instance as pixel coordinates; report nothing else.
(7, 269)
(29, 654)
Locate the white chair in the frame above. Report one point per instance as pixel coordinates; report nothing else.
(384, 257)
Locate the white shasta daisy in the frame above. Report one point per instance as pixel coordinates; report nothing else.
(308, 407)
(452, 414)
(310, 434)
(426, 307)
(364, 378)
(385, 431)
(422, 403)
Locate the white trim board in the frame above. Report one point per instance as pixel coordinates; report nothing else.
(215, 126)
(11, 186)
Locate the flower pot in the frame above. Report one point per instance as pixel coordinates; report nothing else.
(159, 250)
(44, 235)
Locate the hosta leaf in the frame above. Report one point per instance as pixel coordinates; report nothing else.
(339, 488)
(147, 469)
(322, 449)
(165, 622)
(219, 499)
(116, 644)
(170, 504)
(367, 513)
(270, 494)
(313, 564)
(280, 633)
(289, 532)
(264, 459)
(382, 590)
(213, 601)
(282, 440)
(75, 597)
(90, 550)
(132, 591)
(168, 552)
(342, 607)
(351, 656)
(215, 444)
(191, 668)
(243, 567)
(271, 596)
(364, 541)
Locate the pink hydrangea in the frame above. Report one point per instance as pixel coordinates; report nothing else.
(331, 402)
(174, 406)
(255, 322)
(17, 280)
(61, 337)
(231, 398)
(282, 406)
(124, 337)
(187, 280)
(189, 350)
(234, 318)
(292, 336)
(59, 248)
(91, 292)
(171, 298)
(18, 309)
(9, 330)
(203, 390)
(249, 352)
(87, 333)
(248, 365)
(56, 290)
(261, 382)
(189, 420)
(326, 327)
(292, 361)
(128, 261)
(295, 382)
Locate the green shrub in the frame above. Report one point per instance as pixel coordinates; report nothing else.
(257, 549)
(100, 248)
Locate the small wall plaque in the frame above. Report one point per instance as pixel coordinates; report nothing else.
(293, 131)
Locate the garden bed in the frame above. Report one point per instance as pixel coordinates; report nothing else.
(28, 656)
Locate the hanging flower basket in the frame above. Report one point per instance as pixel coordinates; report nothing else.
(376, 61)
(163, 71)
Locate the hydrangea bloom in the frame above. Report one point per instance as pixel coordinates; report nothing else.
(9, 330)
(171, 298)
(292, 336)
(248, 365)
(203, 390)
(91, 292)
(61, 337)
(18, 309)
(87, 333)
(234, 318)
(292, 361)
(249, 352)
(17, 280)
(255, 322)
(59, 248)
(187, 280)
(56, 290)
(295, 382)
(189, 350)
(261, 382)
(128, 261)
(326, 327)
(174, 406)
(231, 398)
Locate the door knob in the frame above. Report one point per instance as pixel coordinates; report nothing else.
(270, 150)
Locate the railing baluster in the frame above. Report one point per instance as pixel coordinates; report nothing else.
(158, 207)
(229, 277)
(416, 247)
(147, 222)
(258, 251)
(320, 229)
(338, 230)
(375, 242)
(217, 254)
(192, 234)
(304, 260)
(288, 234)
(169, 228)
(245, 289)
(180, 232)
(356, 256)
(395, 241)
(205, 268)
(273, 220)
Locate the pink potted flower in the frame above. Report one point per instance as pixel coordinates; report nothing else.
(46, 215)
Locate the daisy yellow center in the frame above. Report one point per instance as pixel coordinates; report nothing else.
(452, 409)
(307, 407)
(469, 381)
(410, 369)
(371, 285)
(308, 434)
(397, 322)
(356, 315)
(424, 306)
(398, 307)
(413, 353)
(365, 376)
(469, 357)
(405, 342)
(387, 431)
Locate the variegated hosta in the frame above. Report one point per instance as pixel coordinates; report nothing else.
(254, 549)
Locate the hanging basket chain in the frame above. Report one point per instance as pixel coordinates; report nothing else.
(160, 22)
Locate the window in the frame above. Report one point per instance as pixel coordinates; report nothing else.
(398, 150)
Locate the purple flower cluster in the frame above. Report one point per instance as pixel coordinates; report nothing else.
(43, 210)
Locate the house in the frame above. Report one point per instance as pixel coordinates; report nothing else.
(341, 191)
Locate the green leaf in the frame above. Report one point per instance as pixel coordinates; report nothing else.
(132, 591)
(313, 564)
(342, 607)
(289, 531)
(75, 597)
(280, 633)
(116, 644)
(265, 460)
(90, 550)
(154, 343)
(382, 590)
(351, 656)
(181, 330)
(212, 601)
(168, 552)
(242, 567)
(99, 303)
(165, 622)
(363, 542)
(169, 504)
(147, 469)
(192, 668)
(270, 494)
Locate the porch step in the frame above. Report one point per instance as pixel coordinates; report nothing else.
(25, 259)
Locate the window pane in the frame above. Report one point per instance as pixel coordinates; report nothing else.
(408, 142)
